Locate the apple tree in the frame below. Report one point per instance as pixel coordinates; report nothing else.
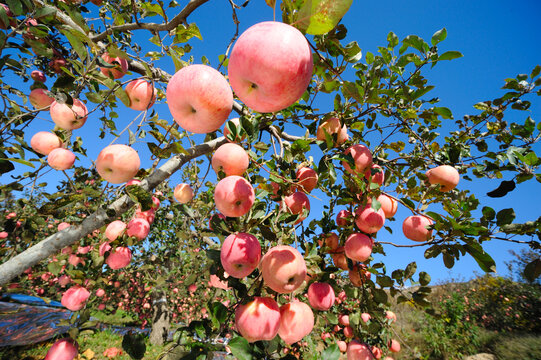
(288, 121)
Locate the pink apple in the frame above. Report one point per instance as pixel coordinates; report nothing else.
(358, 351)
(343, 319)
(348, 331)
(307, 179)
(415, 228)
(358, 275)
(115, 229)
(61, 159)
(394, 346)
(118, 163)
(296, 321)
(283, 269)
(296, 204)
(339, 258)
(148, 215)
(321, 296)
(139, 228)
(104, 247)
(446, 176)
(365, 317)
(63, 349)
(39, 76)
(44, 142)
(120, 69)
(388, 205)
(376, 351)
(343, 217)
(331, 127)
(199, 98)
(183, 193)
(216, 282)
(39, 98)
(69, 117)
(119, 258)
(258, 320)
(376, 176)
(75, 298)
(358, 247)
(230, 158)
(369, 220)
(234, 196)
(192, 288)
(57, 64)
(141, 93)
(331, 242)
(240, 254)
(270, 66)
(362, 158)
(100, 292)
(390, 315)
(3, 234)
(342, 345)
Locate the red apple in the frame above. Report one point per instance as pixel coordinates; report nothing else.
(234, 196)
(39, 76)
(283, 269)
(61, 159)
(415, 228)
(199, 98)
(258, 320)
(296, 204)
(388, 205)
(115, 229)
(270, 66)
(139, 228)
(44, 142)
(375, 176)
(321, 296)
(119, 258)
(39, 98)
(118, 163)
(342, 218)
(369, 220)
(358, 247)
(342, 345)
(307, 179)
(331, 242)
(240, 254)
(120, 69)
(362, 158)
(75, 298)
(141, 93)
(390, 315)
(339, 258)
(296, 321)
(230, 158)
(331, 127)
(365, 317)
(69, 117)
(358, 351)
(446, 176)
(63, 349)
(358, 275)
(394, 346)
(183, 193)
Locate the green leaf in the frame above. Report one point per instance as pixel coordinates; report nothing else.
(16, 7)
(505, 216)
(123, 96)
(488, 213)
(392, 39)
(20, 161)
(450, 55)
(443, 112)
(533, 270)
(536, 70)
(218, 312)
(317, 17)
(439, 36)
(424, 278)
(331, 352)
(271, 3)
(241, 349)
(485, 261)
(353, 52)
(448, 260)
(410, 270)
(44, 11)
(139, 195)
(77, 44)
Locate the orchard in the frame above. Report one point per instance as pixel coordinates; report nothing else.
(249, 196)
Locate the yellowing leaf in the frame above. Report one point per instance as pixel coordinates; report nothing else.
(318, 17)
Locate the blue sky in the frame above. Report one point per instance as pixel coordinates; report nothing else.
(499, 39)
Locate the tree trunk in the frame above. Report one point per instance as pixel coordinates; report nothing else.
(161, 320)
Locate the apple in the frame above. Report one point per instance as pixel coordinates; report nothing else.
(369, 220)
(362, 158)
(75, 298)
(240, 254)
(343, 319)
(348, 331)
(119, 258)
(230, 158)
(342, 345)
(199, 98)
(139, 228)
(339, 258)
(9, 13)
(390, 315)
(39, 98)
(388, 205)
(148, 215)
(118, 163)
(376, 351)
(240, 133)
(376, 176)
(296, 204)
(358, 275)
(365, 317)
(358, 351)
(296, 321)
(446, 176)
(120, 69)
(183, 193)
(216, 282)
(415, 228)
(141, 93)
(69, 118)
(358, 247)
(307, 179)
(234, 196)
(44, 142)
(57, 64)
(331, 242)
(61, 159)
(258, 320)
(342, 218)
(115, 229)
(321, 296)
(332, 126)
(39, 76)
(283, 269)
(63, 349)
(394, 346)
(270, 66)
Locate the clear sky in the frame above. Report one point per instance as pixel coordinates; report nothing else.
(499, 39)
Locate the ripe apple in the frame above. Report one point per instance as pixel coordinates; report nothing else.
(362, 158)
(390, 315)
(120, 69)
(258, 320)
(39, 76)
(234, 196)
(342, 218)
(369, 220)
(118, 163)
(375, 176)
(296, 204)
(183, 193)
(331, 242)
(306, 179)
(115, 229)
(394, 346)
(321, 296)
(119, 258)
(69, 118)
(44, 142)
(240, 136)
(39, 98)
(358, 351)
(199, 98)
(342, 345)
(283, 269)
(296, 321)
(446, 176)
(365, 317)
(376, 351)
(358, 247)
(388, 205)
(141, 93)
(339, 258)
(61, 159)
(75, 298)
(270, 66)
(240, 254)
(63, 349)
(414, 228)
(348, 331)
(139, 228)
(343, 319)
(332, 126)
(358, 275)
(230, 158)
